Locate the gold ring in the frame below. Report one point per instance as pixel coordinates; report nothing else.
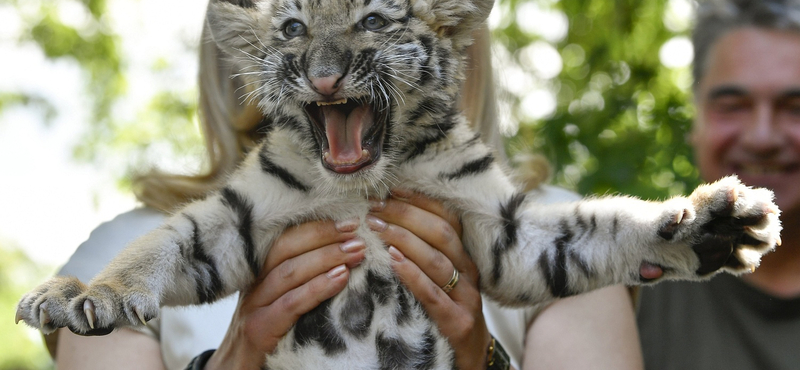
(452, 283)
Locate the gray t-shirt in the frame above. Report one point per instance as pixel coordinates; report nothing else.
(723, 324)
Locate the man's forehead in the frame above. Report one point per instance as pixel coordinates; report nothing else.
(753, 61)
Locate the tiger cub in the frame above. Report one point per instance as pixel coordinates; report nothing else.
(362, 96)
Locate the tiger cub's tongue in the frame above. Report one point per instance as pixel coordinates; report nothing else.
(345, 133)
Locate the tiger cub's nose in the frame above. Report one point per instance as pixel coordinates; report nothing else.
(327, 85)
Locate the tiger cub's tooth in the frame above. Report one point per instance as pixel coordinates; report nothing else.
(340, 101)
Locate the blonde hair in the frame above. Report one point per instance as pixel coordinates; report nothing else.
(231, 128)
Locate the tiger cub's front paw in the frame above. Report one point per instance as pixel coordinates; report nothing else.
(731, 227)
(94, 310)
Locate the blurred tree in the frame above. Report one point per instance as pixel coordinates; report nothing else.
(163, 132)
(621, 117)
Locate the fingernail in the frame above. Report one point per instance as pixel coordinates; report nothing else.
(396, 254)
(376, 224)
(401, 194)
(352, 245)
(376, 205)
(346, 226)
(337, 271)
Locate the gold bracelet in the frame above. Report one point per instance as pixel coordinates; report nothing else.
(496, 357)
(490, 356)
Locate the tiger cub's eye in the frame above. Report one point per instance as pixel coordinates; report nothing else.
(294, 28)
(374, 22)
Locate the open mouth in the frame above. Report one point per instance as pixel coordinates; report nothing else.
(350, 132)
(766, 169)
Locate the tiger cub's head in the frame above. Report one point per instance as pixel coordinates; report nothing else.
(364, 82)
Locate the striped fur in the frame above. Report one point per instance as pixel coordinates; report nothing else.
(410, 72)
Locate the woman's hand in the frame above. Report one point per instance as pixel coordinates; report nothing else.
(425, 244)
(308, 264)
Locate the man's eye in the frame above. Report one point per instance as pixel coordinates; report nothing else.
(791, 107)
(294, 28)
(374, 22)
(731, 105)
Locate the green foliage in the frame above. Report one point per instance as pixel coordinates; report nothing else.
(10, 99)
(94, 46)
(20, 346)
(621, 121)
(164, 134)
(164, 131)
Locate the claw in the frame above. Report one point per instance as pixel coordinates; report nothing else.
(778, 241)
(44, 318)
(679, 217)
(752, 269)
(140, 316)
(733, 196)
(18, 318)
(88, 309)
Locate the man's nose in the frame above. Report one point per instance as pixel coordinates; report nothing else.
(762, 134)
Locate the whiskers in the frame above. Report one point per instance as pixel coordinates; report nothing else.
(399, 66)
(259, 71)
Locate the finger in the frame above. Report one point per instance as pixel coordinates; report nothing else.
(302, 238)
(276, 319)
(296, 271)
(435, 301)
(431, 261)
(429, 204)
(435, 231)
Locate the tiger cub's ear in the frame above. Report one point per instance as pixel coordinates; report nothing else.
(232, 24)
(454, 19)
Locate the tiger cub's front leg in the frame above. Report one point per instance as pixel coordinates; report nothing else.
(544, 252)
(180, 263)
(206, 251)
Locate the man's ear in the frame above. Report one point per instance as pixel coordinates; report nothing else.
(232, 25)
(455, 19)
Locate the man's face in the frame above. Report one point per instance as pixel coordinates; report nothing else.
(748, 120)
